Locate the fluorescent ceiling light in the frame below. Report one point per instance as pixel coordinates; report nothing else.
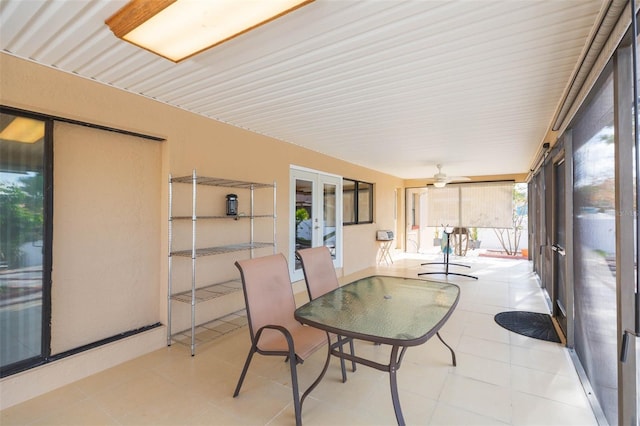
(24, 130)
(179, 29)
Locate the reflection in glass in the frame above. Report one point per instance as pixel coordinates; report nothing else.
(365, 202)
(21, 238)
(381, 307)
(635, 209)
(348, 201)
(329, 219)
(357, 202)
(595, 247)
(304, 216)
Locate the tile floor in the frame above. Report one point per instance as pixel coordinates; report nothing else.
(501, 377)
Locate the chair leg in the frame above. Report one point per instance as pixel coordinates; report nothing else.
(294, 383)
(244, 370)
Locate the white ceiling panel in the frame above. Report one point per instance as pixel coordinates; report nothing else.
(397, 86)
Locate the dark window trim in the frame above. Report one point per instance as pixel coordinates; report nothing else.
(18, 111)
(47, 257)
(47, 264)
(37, 361)
(356, 198)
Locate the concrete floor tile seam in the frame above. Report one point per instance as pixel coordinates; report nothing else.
(481, 340)
(493, 386)
(117, 419)
(225, 408)
(581, 406)
(493, 382)
(524, 369)
(415, 394)
(519, 370)
(403, 386)
(480, 316)
(84, 394)
(542, 348)
(496, 389)
(566, 370)
(484, 356)
(65, 408)
(489, 420)
(480, 306)
(8, 418)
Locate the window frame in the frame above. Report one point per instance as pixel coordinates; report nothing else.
(46, 356)
(356, 201)
(47, 234)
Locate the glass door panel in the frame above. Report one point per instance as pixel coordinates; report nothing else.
(22, 145)
(304, 214)
(317, 208)
(331, 216)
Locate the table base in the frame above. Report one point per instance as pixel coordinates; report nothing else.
(395, 359)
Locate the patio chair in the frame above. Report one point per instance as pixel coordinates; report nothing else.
(272, 327)
(320, 277)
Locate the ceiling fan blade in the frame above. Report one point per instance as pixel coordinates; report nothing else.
(441, 179)
(458, 178)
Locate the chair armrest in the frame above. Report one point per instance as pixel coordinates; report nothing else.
(286, 333)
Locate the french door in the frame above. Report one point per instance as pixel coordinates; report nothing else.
(316, 215)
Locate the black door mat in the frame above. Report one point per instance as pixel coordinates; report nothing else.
(530, 324)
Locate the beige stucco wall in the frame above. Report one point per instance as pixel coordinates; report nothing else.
(192, 141)
(105, 225)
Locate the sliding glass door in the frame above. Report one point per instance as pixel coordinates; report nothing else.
(594, 188)
(24, 329)
(559, 266)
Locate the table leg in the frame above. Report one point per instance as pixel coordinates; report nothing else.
(393, 368)
(453, 354)
(342, 361)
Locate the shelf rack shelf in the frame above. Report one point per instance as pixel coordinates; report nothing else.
(209, 292)
(201, 293)
(213, 329)
(210, 251)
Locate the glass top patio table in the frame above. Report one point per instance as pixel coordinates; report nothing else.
(383, 309)
(396, 311)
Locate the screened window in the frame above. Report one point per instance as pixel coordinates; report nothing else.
(595, 244)
(481, 205)
(357, 202)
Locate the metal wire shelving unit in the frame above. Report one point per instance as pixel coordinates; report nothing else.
(202, 293)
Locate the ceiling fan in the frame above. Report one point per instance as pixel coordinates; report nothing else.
(441, 179)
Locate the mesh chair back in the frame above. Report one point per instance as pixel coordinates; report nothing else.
(319, 272)
(268, 292)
